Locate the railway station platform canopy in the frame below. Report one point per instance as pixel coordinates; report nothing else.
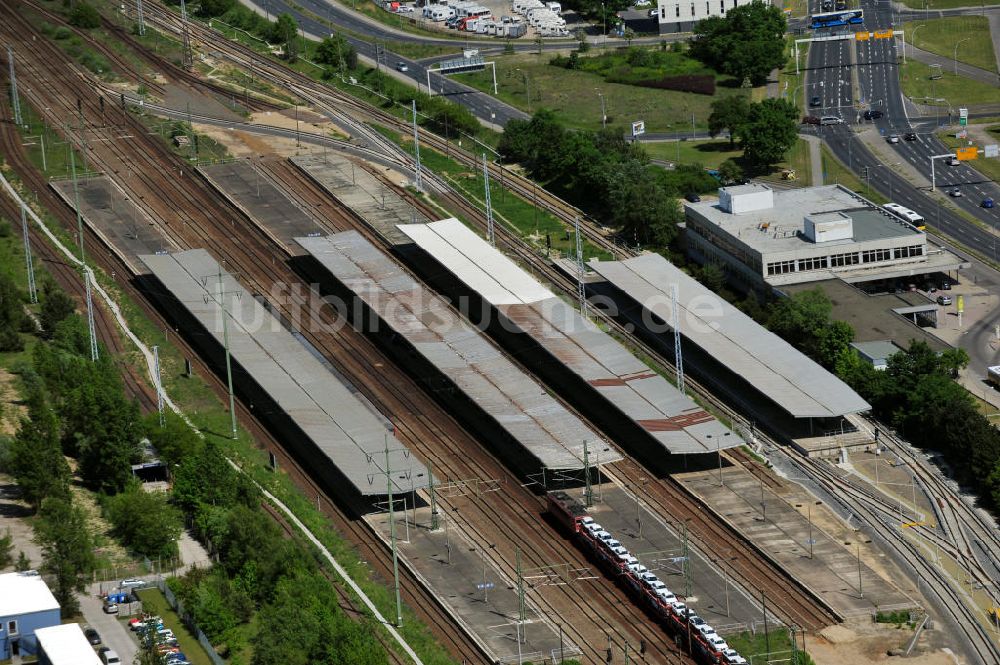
(540, 425)
(646, 400)
(346, 430)
(771, 365)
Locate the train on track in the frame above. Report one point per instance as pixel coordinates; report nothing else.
(687, 629)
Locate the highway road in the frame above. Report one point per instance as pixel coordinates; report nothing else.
(829, 76)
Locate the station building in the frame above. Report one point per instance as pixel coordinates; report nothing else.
(681, 15)
(770, 239)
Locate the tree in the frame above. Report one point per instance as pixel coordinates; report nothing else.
(35, 456)
(11, 315)
(728, 113)
(6, 550)
(210, 8)
(175, 441)
(338, 52)
(23, 563)
(56, 306)
(285, 32)
(748, 42)
(713, 276)
(769, 132)
(145, 521)
(84, 16)
(67, 550)
(730, 172)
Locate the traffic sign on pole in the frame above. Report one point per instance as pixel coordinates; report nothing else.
(991, 151)
(963, 116)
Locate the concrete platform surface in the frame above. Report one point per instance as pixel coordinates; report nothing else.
(659, 546)
(259, 199)
(362, 192)
(113, 216)
(452, 565)
(782, 529)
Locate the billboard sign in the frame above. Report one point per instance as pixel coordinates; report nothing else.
(638, 128)
(967, 154)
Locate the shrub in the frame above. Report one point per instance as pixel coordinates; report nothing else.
(701, 84)
(84, 16)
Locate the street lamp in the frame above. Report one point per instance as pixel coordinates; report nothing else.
(913, 35)
(604, 113)
(956, 52)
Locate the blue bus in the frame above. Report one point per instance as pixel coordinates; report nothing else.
(837, 19)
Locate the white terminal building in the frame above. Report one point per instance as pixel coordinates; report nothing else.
(681, 15)
(768, 238)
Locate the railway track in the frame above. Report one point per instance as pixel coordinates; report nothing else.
(193, 216)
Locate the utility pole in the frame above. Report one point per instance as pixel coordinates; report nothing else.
(15, 100)
(417, 179)
(188, 54)
(229, 366)
(861, 591)
(686, 562)
(678, 354)
(159, 384)
(139, 16)
(520, 588)
(28, 263)
(94, 354)
(490, 234)
(588, 492)
(767, 636)
(792, 639)
(430, 487)
(392, 537)
(581, 289)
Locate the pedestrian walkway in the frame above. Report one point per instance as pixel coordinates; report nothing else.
(964, 69)
(815, 158)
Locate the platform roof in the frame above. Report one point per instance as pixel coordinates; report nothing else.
(345, 428)
(66, 645)
(768, 363)
(670, 417)
(517, 402)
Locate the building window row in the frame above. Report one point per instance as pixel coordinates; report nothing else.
(840, 260)
(816, 263)
(876, 255)
(907, 252)
(780, 267)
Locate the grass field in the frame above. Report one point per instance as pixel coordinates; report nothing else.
(988, 167)
(836, 173)
(575, 96)
(940, 36)
(153, 602)
(956, 90)
(947, 4)
(711, 153)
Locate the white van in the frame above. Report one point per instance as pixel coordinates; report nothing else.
(109, 657)
(441, 13)
(555, 7)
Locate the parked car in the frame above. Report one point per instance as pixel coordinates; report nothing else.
(405, 9)
(955, 193)
(92, 636)
(944, 300)
(110, 608)
(987, 202)
(892, 138)
(815, 101)
(401, 67)
(692, 197)
(732, 657)
(946, 285)
(654, 13)
(132, 583)
(109, 657)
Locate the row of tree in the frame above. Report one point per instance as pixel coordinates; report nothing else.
(748, 42)
(916, 394)
(766, 130)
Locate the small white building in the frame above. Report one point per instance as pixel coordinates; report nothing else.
(681, 15)
(26, 606)
(65, 645)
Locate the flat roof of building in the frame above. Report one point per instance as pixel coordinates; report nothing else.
(517, 402)
(770, 364)
(66, 645)
(669, 416)
(25, 593)
(779, 228)
(877, 349)
(873, 317)
(343, 427)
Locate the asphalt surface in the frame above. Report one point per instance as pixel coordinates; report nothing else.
(829, 76)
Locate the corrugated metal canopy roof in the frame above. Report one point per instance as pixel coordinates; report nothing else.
(343, 427)
(66, 644)
(669, 416)
(770, 364)
(516, 401)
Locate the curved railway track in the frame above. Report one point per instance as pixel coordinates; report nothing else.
(194, 216)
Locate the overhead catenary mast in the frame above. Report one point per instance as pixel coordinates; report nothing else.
(15, 100)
